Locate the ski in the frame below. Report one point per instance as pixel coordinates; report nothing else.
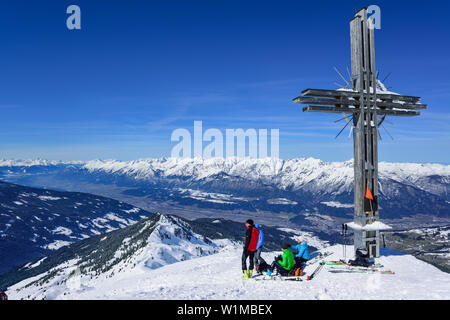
(292, 279)
(340, 263)
(257, 276)
(337, 267)
(359, 270)
(315, 272)
(345, 267)
(278, 278)
(318, 258)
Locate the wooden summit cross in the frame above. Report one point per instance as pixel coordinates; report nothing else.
(364, 103)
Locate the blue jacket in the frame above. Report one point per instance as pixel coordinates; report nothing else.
(260, 238)
(302, 250)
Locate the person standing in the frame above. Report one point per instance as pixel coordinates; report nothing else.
(260, 263)
(250, 243)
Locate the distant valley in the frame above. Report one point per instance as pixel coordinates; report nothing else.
(306, 192)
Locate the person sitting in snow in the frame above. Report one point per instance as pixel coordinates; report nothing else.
(250, 243)
(284, 263)
(301, 253)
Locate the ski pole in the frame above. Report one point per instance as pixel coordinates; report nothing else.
(343, 240)
(346, 231)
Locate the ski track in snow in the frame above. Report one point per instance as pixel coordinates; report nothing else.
(218, 276)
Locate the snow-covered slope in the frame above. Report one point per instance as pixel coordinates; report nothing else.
(146, 245)
(162, 258)
(218, 276)
(34, 222)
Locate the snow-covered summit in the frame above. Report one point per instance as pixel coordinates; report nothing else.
(163, 258)
(218, 276)
(305, 173)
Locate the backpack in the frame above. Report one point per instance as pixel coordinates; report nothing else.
(361, 258)
(298, 272)
(263, 266)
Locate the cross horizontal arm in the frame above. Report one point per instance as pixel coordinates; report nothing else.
(355, 94)
(355, 103)
(388, 112)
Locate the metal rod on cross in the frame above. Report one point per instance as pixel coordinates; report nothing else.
(365, 101)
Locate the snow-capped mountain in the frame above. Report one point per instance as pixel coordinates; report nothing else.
(294, 174)
(310, 174)
(35, 222)
(134, 250)
(298, 186)
(163, 258)
(34, 162)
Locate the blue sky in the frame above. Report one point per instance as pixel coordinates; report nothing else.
(137, 70)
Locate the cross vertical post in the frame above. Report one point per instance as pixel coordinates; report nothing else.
(365, 135)
(365, 101)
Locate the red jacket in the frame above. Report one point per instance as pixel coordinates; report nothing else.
(251, 238)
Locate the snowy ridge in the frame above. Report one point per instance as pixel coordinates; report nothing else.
(133, 251)
(309, 174)
(34, 162)
(36, 221)
(173, 241)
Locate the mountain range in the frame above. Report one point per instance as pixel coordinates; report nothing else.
(301, 191)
